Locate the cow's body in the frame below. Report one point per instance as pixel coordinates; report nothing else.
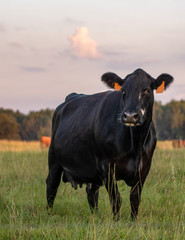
(91, 145)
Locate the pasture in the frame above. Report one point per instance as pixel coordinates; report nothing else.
(23, 212)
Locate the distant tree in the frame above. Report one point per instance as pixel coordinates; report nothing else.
(170, 120)
(176, 113)
(9, 128)
(20, 118)
(37, 124)
(157, 116)
(46, 119)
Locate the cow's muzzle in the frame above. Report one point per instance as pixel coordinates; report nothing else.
(131, 119)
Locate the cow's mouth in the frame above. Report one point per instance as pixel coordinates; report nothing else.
(131, 119)
(132, 124)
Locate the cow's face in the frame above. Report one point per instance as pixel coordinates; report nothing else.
(137, 94)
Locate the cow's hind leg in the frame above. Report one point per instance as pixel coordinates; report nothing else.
(53, 179)
(92, 196)
(114, 195)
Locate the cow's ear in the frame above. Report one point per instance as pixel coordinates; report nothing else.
(112, 80)
(162, 82)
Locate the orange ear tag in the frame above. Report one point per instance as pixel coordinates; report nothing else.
(161, 88)
(117, 87)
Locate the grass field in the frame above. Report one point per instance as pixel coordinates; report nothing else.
(23, 214)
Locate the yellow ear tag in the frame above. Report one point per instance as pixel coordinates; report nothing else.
(117, 87)
(161, 88)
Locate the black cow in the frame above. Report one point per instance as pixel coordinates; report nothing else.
(105, 137)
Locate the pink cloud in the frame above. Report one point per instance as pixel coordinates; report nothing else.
(82, 45)
(15, 44)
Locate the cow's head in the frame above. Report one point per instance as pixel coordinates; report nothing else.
(137, 94)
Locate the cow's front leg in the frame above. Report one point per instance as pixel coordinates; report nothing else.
(114, 195)
(135, 193)
(135, 198)
(92, 196)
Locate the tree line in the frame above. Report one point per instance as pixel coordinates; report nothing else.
(15, 125)
(169, 120)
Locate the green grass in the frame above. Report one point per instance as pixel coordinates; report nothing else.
(23, 212)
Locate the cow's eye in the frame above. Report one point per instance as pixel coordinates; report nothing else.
(146, 90)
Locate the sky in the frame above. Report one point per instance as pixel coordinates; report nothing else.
(50, 48)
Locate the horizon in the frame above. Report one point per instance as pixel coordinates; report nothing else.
(52, 109)
(50, 50)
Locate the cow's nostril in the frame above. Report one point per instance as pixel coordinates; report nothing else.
(130, 117)
(124, 116)
(135, 116)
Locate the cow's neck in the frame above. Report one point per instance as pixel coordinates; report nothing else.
(145, 132)
(130, 140)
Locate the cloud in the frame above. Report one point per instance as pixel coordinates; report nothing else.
(73, 21)
(18, 29)
(33, 69)
(123, 58)
(2, 28)
(82, 45)
(15, 44)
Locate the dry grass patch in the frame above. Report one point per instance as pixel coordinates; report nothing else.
(165, 145)
(19, 146)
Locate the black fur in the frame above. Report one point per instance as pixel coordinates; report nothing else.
(168, 80)
(105, 137)
(111, 78)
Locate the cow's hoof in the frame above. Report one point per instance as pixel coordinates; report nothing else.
(49, 208)
(133, 217)
(116, 217)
